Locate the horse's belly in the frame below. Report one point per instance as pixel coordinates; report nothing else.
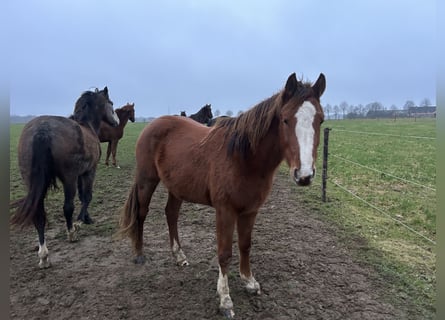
(189, 192)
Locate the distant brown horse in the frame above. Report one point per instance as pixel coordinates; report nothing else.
(112, 135)
(53, 147)
(229, 166)
(204, 115)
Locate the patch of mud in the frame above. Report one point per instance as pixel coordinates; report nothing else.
(303, 270)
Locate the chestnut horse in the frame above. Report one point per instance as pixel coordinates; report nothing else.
(112, 135)
(229, 166)
(53, 147)
(204, 115)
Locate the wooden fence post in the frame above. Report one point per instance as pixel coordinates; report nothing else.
(325, 163)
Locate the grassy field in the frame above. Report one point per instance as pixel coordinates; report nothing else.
(380, 173)
(407, 259)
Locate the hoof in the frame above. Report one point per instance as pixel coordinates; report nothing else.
(182, 263)
(139, 260)
(44, 263)
(227, 313)
(73, 234)
(87, 220)
(253, 291)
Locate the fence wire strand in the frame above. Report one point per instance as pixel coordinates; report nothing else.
(385, 134)
(382, 172)
(383, 212)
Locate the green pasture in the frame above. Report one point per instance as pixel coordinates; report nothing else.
(406, 259)
(382, 174)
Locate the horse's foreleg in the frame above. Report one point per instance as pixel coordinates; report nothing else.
(172, 214)
(85, 187)
(225, 224)
(69, 189)
(39, 223)
(113, 153)
(108, 153)
(244, 227)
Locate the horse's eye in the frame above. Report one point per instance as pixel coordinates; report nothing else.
(285, 121)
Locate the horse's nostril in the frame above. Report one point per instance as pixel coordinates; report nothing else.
(303, 180)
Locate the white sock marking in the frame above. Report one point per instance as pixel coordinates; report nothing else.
(223, 291)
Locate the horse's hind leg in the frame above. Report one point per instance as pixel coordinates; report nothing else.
(85, 187)
(39, 223)
(172, 213)
(69, 188)
(145, 191)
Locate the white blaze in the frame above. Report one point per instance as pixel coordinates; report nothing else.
(305, 135)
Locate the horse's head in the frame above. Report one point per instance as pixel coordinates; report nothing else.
(129, 109)
(104, 103)
(208, 111)
(301, 117)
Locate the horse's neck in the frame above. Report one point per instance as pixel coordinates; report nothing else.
(92, 127)
(268, 154)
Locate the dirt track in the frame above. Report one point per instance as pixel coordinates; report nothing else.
(304, 271)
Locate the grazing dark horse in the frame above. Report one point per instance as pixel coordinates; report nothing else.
(112, 135)
(229, 166)
(203, 115)
(53, 147)
(213, 121)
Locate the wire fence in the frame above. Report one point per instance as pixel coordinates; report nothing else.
(366, 167)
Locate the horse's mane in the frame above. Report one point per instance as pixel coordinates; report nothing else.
(81, 114)
(245, 132)
(127, 107)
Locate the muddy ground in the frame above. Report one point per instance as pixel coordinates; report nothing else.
(304, 270)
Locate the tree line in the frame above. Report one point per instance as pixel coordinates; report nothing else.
(372, 110)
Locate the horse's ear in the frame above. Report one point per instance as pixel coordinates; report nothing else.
(319, 86)
(105, 90)
(292, 87)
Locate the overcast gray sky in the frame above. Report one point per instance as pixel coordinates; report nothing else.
(169, 56)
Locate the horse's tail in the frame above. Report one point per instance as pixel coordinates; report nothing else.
(41, 177)
(128, 220)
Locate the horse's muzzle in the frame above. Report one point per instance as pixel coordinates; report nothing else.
(303, 180)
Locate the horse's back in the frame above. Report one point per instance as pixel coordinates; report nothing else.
(172, 130)
(70, 144)
(169, 149)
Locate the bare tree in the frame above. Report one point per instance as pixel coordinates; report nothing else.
(408, 104)
(217, 113)
(425, 102)
(327, 110)
(336, 110)
(343, 107)
(229, 113)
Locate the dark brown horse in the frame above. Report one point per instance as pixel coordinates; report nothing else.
(204, 115)
(229, 166)
(112, 135)
(53, 147)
